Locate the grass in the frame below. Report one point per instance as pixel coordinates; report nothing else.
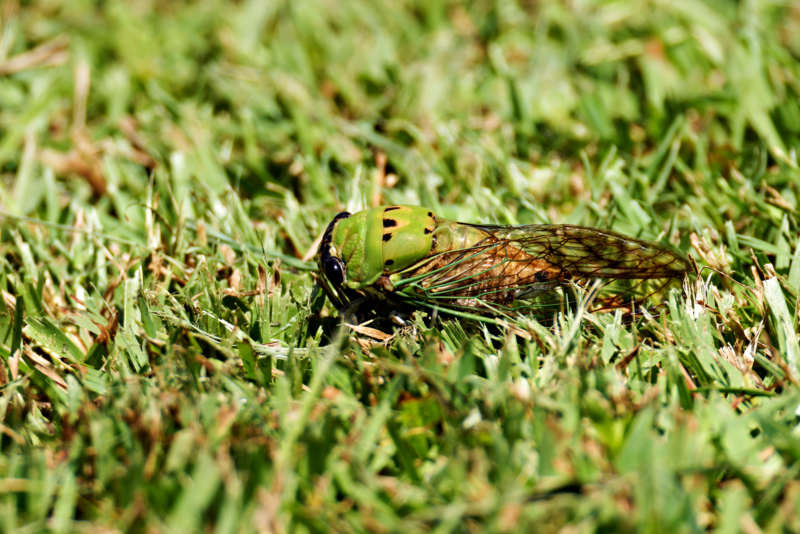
(167, 364)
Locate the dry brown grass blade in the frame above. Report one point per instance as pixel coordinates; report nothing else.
(44, 367)
(371, 332)
(82, 161)
(50, 54)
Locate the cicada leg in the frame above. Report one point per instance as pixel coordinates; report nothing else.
(348, 312)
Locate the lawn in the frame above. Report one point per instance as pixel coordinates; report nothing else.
(168, 363)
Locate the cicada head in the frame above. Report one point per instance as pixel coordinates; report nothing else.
(357, 249)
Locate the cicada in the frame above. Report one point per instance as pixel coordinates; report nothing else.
(407, 256)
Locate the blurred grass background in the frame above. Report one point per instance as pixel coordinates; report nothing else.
(166, 364)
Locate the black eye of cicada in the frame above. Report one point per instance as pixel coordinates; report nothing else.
(334, 270)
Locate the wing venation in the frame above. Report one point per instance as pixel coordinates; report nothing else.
(510, 264)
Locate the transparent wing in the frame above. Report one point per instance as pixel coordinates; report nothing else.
(593, 253)
(513, 269)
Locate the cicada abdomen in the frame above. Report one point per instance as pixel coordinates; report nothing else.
(405, 253)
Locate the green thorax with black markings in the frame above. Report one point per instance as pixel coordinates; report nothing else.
(360, 248)
(381, 241)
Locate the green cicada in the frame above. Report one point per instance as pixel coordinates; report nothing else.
(406, 255)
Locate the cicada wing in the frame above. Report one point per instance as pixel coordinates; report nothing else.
(594, 253)
(514, 269)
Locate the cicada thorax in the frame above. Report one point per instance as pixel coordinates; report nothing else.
(382, 241)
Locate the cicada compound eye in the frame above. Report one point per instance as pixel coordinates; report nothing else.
(334, 270)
